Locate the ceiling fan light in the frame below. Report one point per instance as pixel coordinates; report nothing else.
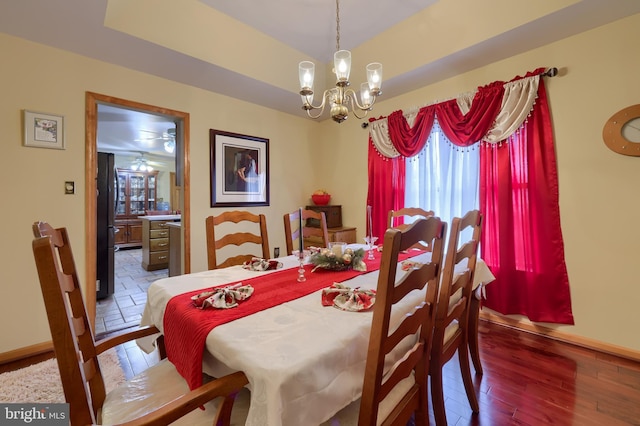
(170, 146)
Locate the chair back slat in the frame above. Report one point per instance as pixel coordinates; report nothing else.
(396, 219)
(231, 235)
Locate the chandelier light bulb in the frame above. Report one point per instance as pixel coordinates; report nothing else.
(365, 95)
(306, 71)
(342, 65)
(374, 77)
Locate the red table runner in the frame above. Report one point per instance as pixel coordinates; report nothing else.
(186, 327)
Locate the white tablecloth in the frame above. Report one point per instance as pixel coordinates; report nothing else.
(304, 361)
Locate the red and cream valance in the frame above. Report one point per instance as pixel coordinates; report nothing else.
(490, 114)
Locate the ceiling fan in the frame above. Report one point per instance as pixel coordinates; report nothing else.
(143, 164)
(169, 138)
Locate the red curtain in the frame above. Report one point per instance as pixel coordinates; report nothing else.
(386, 179)
(467, 129)
(522, 240)
(409, 141)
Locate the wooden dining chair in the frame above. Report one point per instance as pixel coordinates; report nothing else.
(451, 332)
(157, 396)
(396, 220)
(317, 236)
(231, 228)
(393, 397)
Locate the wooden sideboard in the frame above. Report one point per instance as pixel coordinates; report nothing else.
(337, 232)
(345, 234)
(332, 213)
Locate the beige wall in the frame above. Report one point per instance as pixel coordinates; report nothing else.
(39, 78)
(598, 77)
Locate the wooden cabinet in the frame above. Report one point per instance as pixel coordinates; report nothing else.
(342, 233)
(155, 241)
(332, 213)
(128, 233)
(155, 244)
(136, 193)
(337, 232)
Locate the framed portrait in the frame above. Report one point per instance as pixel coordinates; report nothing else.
(239, 169)
(43, 130)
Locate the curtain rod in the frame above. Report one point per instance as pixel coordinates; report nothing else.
(551, 72)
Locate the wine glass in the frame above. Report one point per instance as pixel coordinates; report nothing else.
(370, 241)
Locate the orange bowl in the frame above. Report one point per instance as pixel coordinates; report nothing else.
(321, 200)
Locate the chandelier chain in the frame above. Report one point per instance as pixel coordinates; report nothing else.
(337, 25)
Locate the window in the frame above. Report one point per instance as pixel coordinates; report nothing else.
(443, 178)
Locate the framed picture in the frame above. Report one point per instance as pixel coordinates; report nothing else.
(43, 130)
(239, 169)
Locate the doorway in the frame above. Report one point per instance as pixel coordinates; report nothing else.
(181, 120)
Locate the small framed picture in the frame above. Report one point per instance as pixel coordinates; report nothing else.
(43, 130)
(239, 170)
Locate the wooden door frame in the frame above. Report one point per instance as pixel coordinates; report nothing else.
(91, 166)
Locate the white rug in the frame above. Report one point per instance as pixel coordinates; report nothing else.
(40, 383)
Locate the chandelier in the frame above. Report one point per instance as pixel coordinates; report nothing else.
(340, 98)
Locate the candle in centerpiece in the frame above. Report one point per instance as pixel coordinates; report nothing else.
(301, 236)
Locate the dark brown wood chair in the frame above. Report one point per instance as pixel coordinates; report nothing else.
(396, 220)
(395, 398)
(239, 228)
(157, 396)
(451, 333)
(311, 235)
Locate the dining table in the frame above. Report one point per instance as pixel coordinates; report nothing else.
(304, 361)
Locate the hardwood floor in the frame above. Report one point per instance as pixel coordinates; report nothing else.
(533, 380)
(527, 380)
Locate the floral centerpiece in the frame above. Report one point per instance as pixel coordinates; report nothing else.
(349, 259)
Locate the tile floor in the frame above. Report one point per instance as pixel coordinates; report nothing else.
(124, 308)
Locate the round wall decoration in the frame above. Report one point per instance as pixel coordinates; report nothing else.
(621, 132)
